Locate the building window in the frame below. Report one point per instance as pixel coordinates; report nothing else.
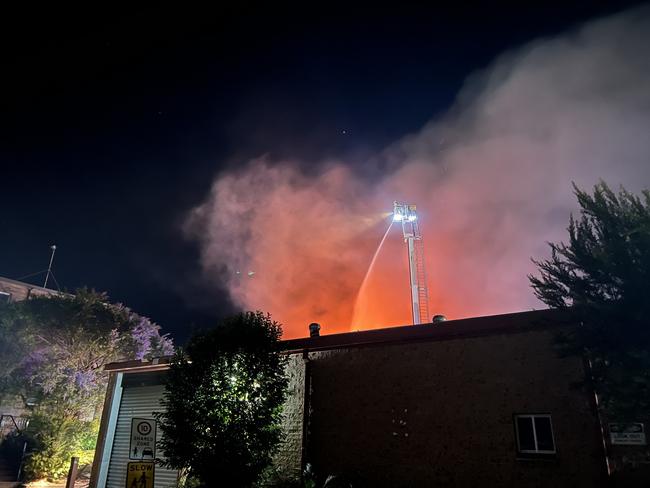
(534, 434)
(5, 297)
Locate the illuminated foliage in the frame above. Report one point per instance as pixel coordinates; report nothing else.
(54, 350)
(223, 400)
(602, 277)
(55, 439)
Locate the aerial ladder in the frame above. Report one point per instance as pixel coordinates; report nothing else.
(407, 215)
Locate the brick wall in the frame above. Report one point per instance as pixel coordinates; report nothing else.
(441, 413)
(630, 464)
(289, 456)
(21, 291)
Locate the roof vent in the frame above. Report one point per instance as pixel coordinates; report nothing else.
(438, 319)
(314, 329)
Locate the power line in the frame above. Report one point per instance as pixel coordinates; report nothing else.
(31, 274)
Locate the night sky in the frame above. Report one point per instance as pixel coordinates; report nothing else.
(113, 124)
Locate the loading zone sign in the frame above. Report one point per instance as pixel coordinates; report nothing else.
(139, 475)
(632, 434)
(143, 439)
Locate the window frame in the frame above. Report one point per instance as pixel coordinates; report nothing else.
(537, 452)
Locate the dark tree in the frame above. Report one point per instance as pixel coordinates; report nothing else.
(223, 400)
(602, 276)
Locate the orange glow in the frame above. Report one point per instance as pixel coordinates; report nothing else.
(491, 180)
(309, 242)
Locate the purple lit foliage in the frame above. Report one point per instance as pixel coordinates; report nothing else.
(53, 353)
(63, 344)
(85, 380)
(148, 341)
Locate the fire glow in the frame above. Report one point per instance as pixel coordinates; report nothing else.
(310, 263)
(492, 181)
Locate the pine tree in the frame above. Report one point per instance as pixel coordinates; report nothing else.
(602, 276)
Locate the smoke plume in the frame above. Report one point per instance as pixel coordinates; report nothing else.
(491, 179)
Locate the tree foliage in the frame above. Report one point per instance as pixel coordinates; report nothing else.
(602, 276)
(55, 439)
(223, 398)
(54, 350)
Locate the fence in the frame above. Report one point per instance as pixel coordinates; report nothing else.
(10, 424)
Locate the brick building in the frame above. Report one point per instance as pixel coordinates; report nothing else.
(476, 401)
(15, 291)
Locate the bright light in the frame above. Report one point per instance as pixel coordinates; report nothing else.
(398, 217)
(404, 212)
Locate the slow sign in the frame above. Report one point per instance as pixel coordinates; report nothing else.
(143, 439)
(140, 475)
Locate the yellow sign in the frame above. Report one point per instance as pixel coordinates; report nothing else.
(139, 475)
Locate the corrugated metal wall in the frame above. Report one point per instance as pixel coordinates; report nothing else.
(140, 402)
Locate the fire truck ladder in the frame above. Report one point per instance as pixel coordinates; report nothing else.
(406, 214)
(421, 276)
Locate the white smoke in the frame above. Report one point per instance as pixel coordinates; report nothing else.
(492, 181)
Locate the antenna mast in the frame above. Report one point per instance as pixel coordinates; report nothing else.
(407, 215)
(49, 268)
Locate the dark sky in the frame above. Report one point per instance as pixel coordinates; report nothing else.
(114, 123)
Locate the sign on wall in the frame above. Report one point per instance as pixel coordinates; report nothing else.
(143, 439)
(630, 434)
(140, 474)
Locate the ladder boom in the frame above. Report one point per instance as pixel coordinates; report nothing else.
(406, 214)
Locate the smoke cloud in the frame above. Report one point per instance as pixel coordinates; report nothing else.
(491, 179)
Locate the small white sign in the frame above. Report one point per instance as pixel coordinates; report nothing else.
(143, 439)
(631, 434)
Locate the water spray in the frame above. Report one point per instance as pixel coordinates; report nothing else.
(406, 214)
(364, 283)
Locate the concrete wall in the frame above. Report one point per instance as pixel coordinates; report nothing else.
(441, 413)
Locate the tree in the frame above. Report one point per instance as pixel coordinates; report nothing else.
(56, 348)
(602, 278)
(223, 399)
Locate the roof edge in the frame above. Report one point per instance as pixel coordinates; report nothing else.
(32, 286)
(449, 330)
(135, 365)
